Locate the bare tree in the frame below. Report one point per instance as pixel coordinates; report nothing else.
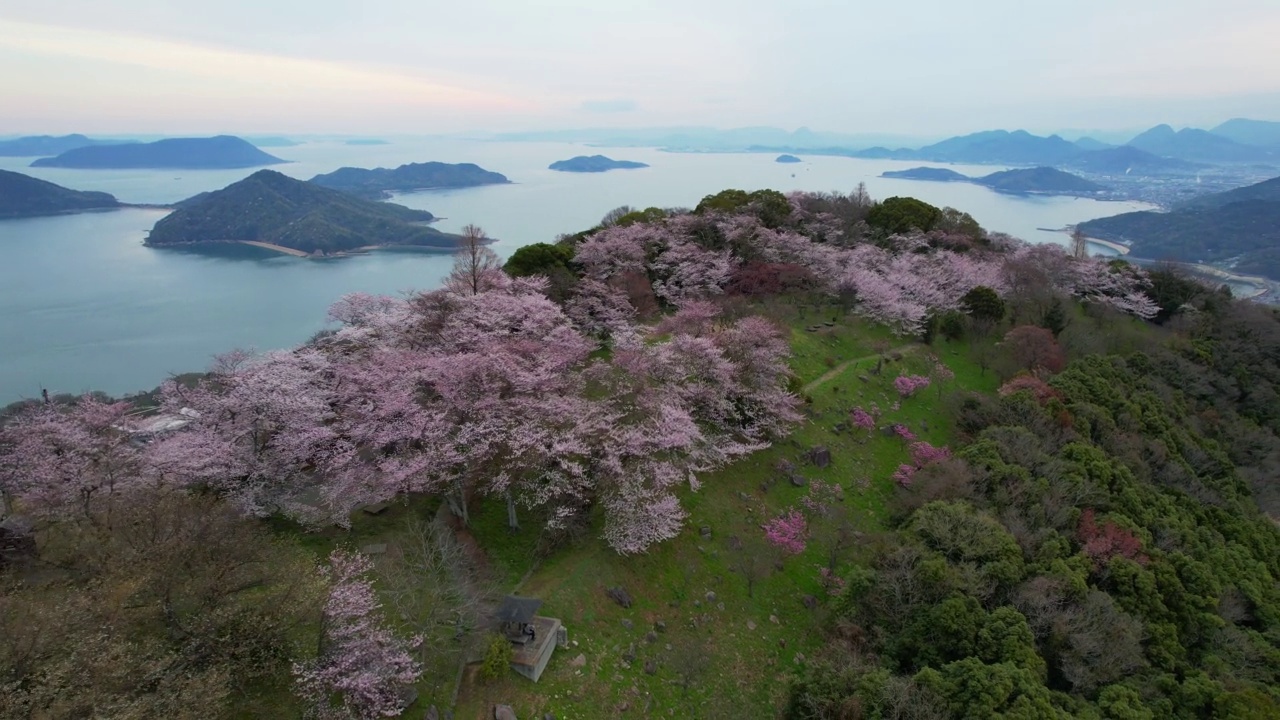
(613, 216)
(753, 559)
(689, 660)
(474, 264)
(1079, 244)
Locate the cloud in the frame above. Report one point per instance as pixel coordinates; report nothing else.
(609, 106)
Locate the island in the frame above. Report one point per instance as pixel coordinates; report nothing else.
(1022, 181)
(1237, 230)
(221, 152)
(787, 159)
(45, 145)
(380, 183)
(277, 212)
(273, 141)
(23, 196)
(594, 164)
(366, 141)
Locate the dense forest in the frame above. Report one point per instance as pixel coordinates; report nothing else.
(1093, 539)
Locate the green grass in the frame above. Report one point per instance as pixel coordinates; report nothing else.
(745, 668)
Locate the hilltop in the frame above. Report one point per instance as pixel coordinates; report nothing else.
(24, 196)
(1239, 228)
(1196, 145)
(594, 163)
(1263, 133)
(1043, 180)
(271, 208)
(221, 152)
(1128, 159)
(380, 183)
(44, 145)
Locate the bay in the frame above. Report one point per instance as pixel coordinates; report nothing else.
(85, 306)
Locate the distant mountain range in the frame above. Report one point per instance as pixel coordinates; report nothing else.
(221, 152)
(594, 164)
(46, 145)
(380, 183)
(270, 208)
(1040, 180)
(708, 139)
(24, 196)
(1239, 228)
(1262, 133)
(1158, 150)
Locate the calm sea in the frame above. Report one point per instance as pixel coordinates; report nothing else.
(84, 306)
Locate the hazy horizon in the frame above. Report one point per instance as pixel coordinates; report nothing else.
(920, 68)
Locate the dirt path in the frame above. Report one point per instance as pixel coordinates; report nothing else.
(835, 371)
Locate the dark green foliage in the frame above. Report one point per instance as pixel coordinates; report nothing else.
(956, 222)
(983, 303)
(1108, 555)
(648, 215)
(538, 259)
(1055, 317)
(1171, 290)
(903, 214)
(497, 657)
(550, 261)
(272, 208)
(952, 326)
(770, 206)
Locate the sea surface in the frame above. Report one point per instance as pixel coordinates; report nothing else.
(84, 306)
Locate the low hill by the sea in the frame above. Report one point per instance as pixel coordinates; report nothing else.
(45, 145)
(380, 183)
(221, 152)
(24, 196)
(1238, 229)
(273, 209)
(1039, 180)
(594, 163)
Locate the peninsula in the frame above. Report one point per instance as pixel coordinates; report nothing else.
(271, 210)
(594, 164)
(23, 196)
(1022, 181)
(1237, 230)
(221, 152)
(380, 183)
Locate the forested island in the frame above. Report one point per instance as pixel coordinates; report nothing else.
(381, 183)
(1238, 229)
(1040, 180)
(274, 210)
(594, 164)
(798, 456)
(43, 145)
(221, 152)
(784, 158)
(24, 196)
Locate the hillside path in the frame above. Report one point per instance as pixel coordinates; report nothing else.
(835, 371)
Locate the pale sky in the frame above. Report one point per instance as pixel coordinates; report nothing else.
(423, 66)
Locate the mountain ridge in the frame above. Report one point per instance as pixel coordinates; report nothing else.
(220, 152)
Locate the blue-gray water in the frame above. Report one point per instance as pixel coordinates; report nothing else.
(83, 305)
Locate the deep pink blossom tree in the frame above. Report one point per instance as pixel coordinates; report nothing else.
(789, 531)
(908, 385)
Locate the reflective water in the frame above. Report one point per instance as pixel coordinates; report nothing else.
(83, 305)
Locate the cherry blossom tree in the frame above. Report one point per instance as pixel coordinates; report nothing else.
(361, 664)
(59, 459)
(789, 531)
(908, 385)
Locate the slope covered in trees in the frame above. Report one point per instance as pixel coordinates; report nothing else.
(272, 208)
(25, 196)
(1239, 228)
(716, 411)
